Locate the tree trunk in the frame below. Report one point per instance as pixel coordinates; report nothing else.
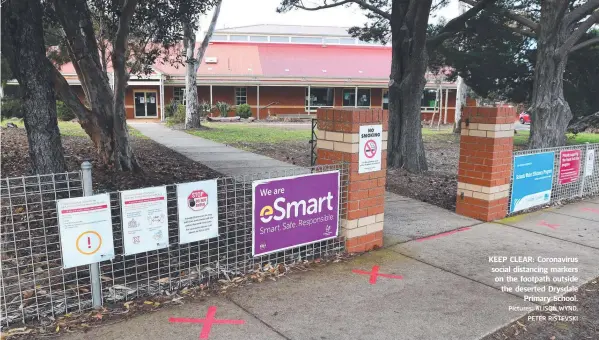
(550, 113)
(192, 105)
(105, 122)
(24, 48)
(405, 148)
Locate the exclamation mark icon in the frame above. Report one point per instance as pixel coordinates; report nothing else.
(89, 243)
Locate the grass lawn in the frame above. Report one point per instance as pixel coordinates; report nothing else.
(232, 133)
(68, 128)
(521, 139)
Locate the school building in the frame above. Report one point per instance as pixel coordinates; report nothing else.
(284, 71)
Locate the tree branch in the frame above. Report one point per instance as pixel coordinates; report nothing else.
(360, 3)
(202, 48)
(580, 31)
(508, 14)
(522, 31)
(584, 44)
(458, 22)
(581, 11)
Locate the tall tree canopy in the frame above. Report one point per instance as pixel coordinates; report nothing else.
(405, 23)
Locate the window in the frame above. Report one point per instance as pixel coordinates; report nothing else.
(320, 97)
(306, 40)
(349, 97)
(279, 39)
(331, 40)
(241, 95)
(259, 38)
(429, 99)
(238, 37)
(219, 37)
(385, 99)
(347, 41)
(179, 95)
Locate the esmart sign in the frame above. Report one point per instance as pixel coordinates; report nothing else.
(532, 180)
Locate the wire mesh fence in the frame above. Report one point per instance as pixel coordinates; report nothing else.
(583, 183)
(34, 284)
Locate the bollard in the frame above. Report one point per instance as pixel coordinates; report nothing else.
(94, 269)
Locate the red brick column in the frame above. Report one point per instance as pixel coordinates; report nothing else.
(484, 173)
(338, 141)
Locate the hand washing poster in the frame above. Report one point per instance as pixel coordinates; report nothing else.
(145, 219)
(532, 180)
(294, 211)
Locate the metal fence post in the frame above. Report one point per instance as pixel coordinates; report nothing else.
(583, 167)
(94, 268)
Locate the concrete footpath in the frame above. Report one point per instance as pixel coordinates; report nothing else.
(434, 280)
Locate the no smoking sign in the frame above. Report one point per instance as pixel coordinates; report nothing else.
(371, 139)
(197, 200)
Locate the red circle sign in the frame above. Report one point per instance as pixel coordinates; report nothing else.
(370, 148)
(197, 200)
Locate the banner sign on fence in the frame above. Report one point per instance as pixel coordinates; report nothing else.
(145, 219)
(197, 204)
(569, 166)
(371, 148)
(294, 211)
(532, 180)
(85, 225)
(589, 164)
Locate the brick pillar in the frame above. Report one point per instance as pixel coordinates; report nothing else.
(484, 172)
(338, 141)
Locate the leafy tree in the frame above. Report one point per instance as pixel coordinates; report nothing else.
(23, 49)
(559, 27)
(193, 60)
(405, 24)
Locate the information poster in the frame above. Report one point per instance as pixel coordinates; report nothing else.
(293, 211)
(589, 165)
(198, 211)
(371, 147)
(569, 166)
(533, 178)
(85, 225)
(145, 219)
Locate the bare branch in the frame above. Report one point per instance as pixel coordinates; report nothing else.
(360, 3)
(581, 11)
(580, 31)
(458, 22)
(522, 31)
(585, 43)
(202, 48)
(508, 14)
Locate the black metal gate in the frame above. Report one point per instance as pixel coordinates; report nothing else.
(313, 142)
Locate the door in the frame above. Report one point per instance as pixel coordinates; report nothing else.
(145, 104)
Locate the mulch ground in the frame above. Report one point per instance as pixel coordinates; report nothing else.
(587, 326)
(437, 186)
(160, 165)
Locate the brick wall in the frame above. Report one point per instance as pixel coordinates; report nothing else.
(338, 141)
(484, 172)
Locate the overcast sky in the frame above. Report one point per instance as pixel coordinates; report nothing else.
(251, 12)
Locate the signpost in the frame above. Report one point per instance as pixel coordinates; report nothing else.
(569, 166)
(370, 148)
(85, 225)
(197, 203)
(145, 219)
(532, 180)
(294, 211)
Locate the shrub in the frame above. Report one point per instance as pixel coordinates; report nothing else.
(205, 108)
(171, 108)
(223, 108)
(12, 108)
(63, 112)
(244, 111)
(177, 117)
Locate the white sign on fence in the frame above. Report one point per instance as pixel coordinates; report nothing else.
(85, 225)
(371, 147)
(197, 204)
(145, 219)
(589, 165)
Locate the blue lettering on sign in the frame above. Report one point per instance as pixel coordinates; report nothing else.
(532, 180)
